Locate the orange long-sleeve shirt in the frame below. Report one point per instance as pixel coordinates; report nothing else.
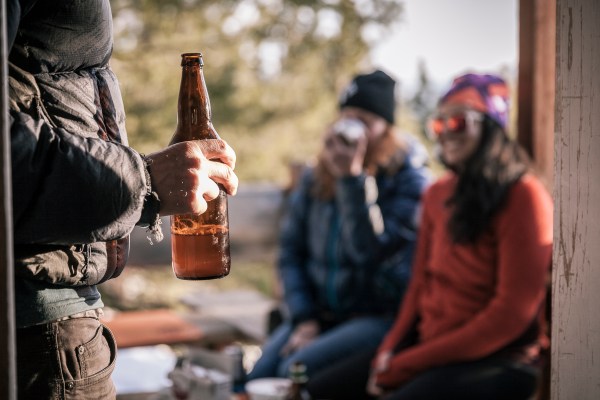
(472, 299)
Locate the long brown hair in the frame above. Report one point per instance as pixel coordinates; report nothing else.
(387, 153)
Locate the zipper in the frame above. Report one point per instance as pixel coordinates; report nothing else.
(43, 112)
(86, 250)
(332, 264)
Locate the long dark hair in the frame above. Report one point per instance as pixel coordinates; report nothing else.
(484, 182)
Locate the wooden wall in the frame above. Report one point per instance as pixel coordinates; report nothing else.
(576, 270)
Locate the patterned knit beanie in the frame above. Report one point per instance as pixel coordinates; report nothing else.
(485, 93)
(373, 92)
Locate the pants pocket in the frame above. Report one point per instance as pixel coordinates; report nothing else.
(94, 355)
(96, 361)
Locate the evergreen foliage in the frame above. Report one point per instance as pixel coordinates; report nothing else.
(274, 69)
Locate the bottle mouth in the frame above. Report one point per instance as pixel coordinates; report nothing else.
(191, 58)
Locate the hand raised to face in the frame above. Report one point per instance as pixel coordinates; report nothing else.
(345, 149)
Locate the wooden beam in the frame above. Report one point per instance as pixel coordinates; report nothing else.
(7, 315)
(537, 42)
(576, 272)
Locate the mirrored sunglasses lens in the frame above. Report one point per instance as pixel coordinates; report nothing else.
(437, 126)
(456, 123)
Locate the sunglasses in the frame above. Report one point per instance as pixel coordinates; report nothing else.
(456, 123)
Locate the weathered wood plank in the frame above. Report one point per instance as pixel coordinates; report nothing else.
(576, 270)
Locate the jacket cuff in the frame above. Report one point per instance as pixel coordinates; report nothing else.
(150, 217)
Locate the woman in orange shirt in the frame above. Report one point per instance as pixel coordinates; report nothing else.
(470, 325)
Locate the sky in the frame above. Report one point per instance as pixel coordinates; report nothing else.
(451, 36)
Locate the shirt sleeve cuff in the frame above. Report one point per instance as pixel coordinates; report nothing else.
(150, 217)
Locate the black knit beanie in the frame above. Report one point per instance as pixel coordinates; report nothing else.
(373, 92)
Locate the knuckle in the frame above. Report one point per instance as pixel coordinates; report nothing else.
(228, 173)
(200, 206)
(195, 163)
(210, 145)
(193, 180)
(219, 145)
(190, 146)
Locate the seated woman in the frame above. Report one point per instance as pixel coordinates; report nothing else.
(348, 235)
(470, 325)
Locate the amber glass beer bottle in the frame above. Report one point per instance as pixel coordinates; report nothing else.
(199, 242)
(297, 374)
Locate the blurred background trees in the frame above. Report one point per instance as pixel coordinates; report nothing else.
(274, 69)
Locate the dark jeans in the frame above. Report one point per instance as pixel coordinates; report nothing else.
(71, 360)
(328, 348)
(344, 380)
(493, 378)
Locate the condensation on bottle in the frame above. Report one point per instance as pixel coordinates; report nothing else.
(199, 242)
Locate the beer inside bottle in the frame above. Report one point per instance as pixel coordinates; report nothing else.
(199, 242)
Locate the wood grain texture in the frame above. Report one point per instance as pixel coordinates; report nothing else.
(576, 269)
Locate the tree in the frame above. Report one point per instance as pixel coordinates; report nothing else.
(422, 103)
(273, 69)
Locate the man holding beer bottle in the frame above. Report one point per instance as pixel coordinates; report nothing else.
(79, 190)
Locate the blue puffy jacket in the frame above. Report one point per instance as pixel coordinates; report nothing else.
(351, 255)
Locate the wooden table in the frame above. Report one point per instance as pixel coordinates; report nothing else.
(151, 327)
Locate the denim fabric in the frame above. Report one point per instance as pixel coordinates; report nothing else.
(493, 378)
(330, 347)
(344, 380)
(66, 360)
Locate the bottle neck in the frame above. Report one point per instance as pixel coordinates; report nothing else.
(193, 110)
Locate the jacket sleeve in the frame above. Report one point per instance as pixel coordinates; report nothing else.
(524, 232)
(408, 313)
(15, 9)
(66, 188)
(293, 253)
(70, 189)
(372, 231)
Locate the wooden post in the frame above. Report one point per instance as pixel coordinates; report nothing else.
(537, 33)
(537, 55)
(7, 313)
(576, 270)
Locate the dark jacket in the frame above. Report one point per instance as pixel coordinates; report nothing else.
(76, 183)
(336, 260)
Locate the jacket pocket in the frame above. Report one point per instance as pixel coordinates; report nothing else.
(75, 265)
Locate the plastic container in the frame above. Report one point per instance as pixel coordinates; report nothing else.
(268, 388)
